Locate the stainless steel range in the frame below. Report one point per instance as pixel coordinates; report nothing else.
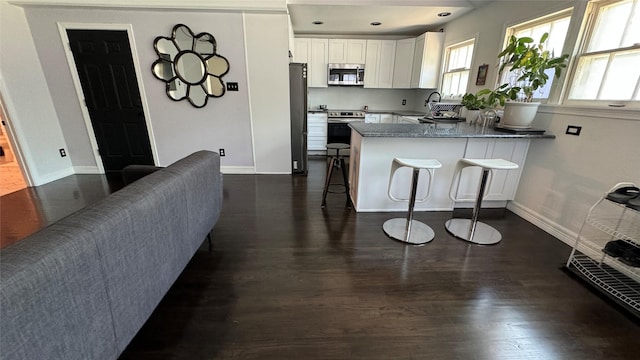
(338, 130)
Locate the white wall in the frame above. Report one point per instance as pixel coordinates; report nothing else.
(354, 98)
(268, 69)
(563, 177)
(179, 129)
(33, 117)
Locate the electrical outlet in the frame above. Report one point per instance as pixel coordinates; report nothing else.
(404, 101)
(232, 86)
(426, 102)
(63, 153)
(221, 152)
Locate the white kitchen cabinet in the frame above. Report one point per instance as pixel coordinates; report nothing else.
(314, 52)
(408, 120)
(372, 118)
(302, 50)
(316, 131)
(427, 56)
(388, 119)
(319, 61)
(347, 51)
(504, 183)
(403, 63)
(379, 62)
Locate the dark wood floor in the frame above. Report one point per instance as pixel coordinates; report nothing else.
(287, 280)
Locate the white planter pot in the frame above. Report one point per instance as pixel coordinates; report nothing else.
(519, 114)
(472, 116)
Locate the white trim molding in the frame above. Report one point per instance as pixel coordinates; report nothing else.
(278, 6)
(86, 170)
(554, 229)
(594, 112)
(243, 170)
(56, 175)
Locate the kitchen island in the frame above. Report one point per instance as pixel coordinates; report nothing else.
(373, 147)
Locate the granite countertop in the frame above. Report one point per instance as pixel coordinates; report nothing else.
(462, 130)
(395, 112)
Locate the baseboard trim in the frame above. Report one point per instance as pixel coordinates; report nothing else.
(244, 170)
(86, 170)
(56, 175)
(554, 229)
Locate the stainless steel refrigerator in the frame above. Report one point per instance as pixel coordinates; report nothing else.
(298, 101)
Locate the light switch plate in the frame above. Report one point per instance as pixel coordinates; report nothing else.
(573, 130)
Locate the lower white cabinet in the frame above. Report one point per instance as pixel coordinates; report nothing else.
(372, 118)
(371, 159)
(316, 131)
(504, 183)
(408, 120)
(388, 119)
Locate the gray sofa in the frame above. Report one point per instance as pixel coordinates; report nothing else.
(83, 287)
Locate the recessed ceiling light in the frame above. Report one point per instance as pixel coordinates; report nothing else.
(376, 23)
(443, 14)
(318, 22)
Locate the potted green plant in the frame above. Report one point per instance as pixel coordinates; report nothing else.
(528, 63)
(473, 103)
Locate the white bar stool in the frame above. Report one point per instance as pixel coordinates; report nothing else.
(473, 230)
(409, 230)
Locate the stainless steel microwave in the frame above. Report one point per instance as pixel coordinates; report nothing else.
(345, 74)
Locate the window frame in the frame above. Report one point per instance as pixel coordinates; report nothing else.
(447, 56)
(557, 84)
(582, 42)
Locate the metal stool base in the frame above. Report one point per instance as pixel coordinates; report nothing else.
(483, 235)
(420, 234)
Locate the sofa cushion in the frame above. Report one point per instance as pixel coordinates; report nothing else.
(53, 298)
(140, 234)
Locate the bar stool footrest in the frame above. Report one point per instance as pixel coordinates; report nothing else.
(421, 233)
(484, 234)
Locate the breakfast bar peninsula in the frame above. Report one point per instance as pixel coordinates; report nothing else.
(374, 146)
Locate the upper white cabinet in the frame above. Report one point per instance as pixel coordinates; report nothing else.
(347, 51)
(381, 55)
(403, 63)
(426, 60)
(301, 50)
(314, 52)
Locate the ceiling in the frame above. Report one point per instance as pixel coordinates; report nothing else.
(399, 17)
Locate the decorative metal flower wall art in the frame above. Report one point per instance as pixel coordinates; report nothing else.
(190, 66)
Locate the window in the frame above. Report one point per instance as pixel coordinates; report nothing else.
(457, 68)
(556, 25)
(607, 66)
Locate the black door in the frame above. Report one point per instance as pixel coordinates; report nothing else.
(108, 79)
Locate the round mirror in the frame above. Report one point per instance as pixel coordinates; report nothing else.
(190, 66)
